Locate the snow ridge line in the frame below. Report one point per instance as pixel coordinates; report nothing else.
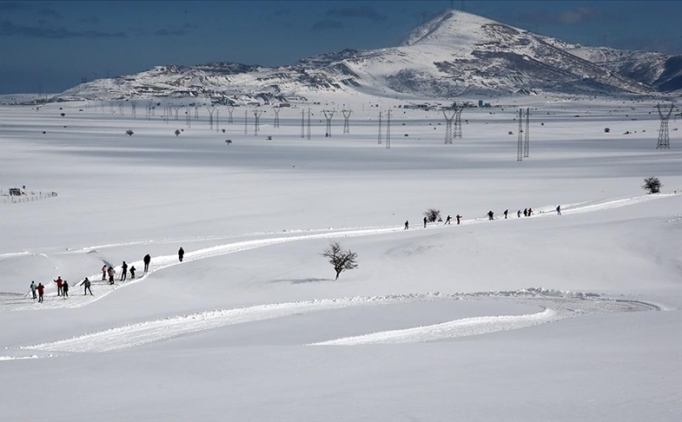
(568, 305)
(452, 329)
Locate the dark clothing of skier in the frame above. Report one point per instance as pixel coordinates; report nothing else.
(424, 222)
(41, 290)
(111, 273)
(447, 220)
(558, 209)
(59, 285)
(33, 289)
(147, 260)
(104, 272)
(124, 271)
(407, 225)
(86, 287)
(65, 289)
(490, 215)
(505, 214)
(530, 212)
(132, 272)
(518, 214)
(181, 253)
(525, 212)
(458, 217)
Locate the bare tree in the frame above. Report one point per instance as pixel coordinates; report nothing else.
(341, 260)
(432, 215)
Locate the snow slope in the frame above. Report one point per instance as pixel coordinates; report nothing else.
(548, 317)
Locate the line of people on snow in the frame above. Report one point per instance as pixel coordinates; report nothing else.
(38, 291)
(527, 212)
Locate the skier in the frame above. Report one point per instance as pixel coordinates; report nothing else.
(104, 272)
(41, 290)
(447, 220)
(530, 211)
(132, 272)
(505, 214)
(458, 217)
(518, 214)
(490, 215)
(407, 225)
(111, 273)
(558, 209)
(65, 289)
(424, 222)
(33, 290)
(124, 271)
(181, 253)
(147, 260)
(86, 287)
(59, 285)
(525, 212)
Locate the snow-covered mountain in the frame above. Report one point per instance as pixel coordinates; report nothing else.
(454, 54)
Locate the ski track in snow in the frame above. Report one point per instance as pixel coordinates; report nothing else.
(167, 261)
(557, 305)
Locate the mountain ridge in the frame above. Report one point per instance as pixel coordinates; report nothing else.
(454, 54)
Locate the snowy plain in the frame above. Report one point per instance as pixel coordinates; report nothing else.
(571, 317)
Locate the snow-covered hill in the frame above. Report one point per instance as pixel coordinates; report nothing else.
(454, 54)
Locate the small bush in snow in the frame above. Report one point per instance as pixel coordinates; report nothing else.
(607, 130)
(432, 215)
(177, 132)
(652, 185)
(129, 132)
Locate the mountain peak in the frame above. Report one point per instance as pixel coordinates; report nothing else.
(449, 27)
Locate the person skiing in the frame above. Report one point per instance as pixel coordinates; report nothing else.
(490, 215)
(59, 285)
(33, 289)
(86, 287)
(41, 290)
(425, 221)
(505, 214)
(558, 209)
(132, 272)
(525, 212)
(448, 219)
(104, 272)
(530, 211)
(181, 253)
(407, 225)
(147, 260)
(518, 214)
(124, 271)
(111, 273)
(458, 217)
(65, 289)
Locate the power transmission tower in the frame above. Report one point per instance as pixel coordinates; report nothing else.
(379, 128)
(230, 109)
(134, 107)
(458, 119)
(210, 117)
(302, 124)
(346, 116)
(256, 114)
(388, 130)
(329, 114)
(519, 146)
(188, 118)
(276, 110)
(309, 124)
(196, 112)
(217, 119)
(526, 144)
(448, 125)
(246, 122)
(177, 109)
(663, 134)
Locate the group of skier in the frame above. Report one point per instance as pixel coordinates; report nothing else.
(38, 290)
(527, 212)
